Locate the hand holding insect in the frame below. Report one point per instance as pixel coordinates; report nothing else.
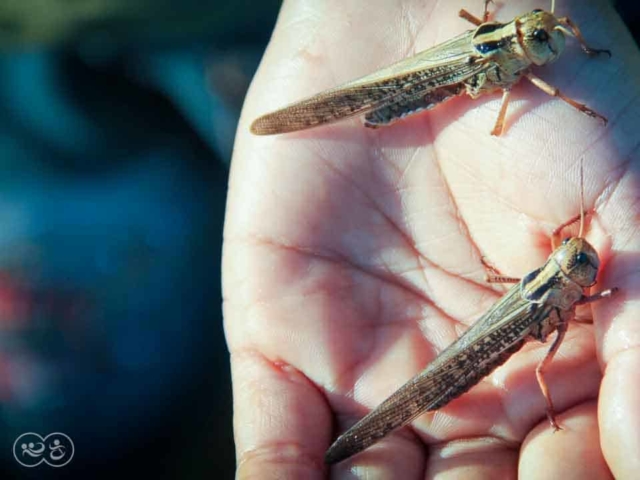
(352, 259)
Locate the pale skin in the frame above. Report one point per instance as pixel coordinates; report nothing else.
(353, 256)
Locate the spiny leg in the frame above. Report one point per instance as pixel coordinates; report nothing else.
(556, 234)
(470, 17)
(551, 414)
(490, 278)
(499, 125)
(554, 92)
(494, 275)
(598, 296)
(594, 298)
(475, 20)
(566, 21)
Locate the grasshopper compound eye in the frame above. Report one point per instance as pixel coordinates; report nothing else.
(541, 35)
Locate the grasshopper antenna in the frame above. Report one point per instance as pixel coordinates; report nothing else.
(581, 232)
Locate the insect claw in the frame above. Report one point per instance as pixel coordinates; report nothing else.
(551, 415)
(593, 114)
(470, 17)
(592, 52)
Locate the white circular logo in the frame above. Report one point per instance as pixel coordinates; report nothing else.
(30, 449)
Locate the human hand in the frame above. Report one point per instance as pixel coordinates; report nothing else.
(353, 256)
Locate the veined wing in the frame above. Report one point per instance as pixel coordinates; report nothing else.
(487, 344)
(444, 64)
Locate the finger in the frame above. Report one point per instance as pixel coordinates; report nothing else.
(618, 340)
(571, 453)
(281, 422)
(619, 413)
(399, 455)
(476, 458)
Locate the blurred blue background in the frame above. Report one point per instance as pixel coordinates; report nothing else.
(117, 120)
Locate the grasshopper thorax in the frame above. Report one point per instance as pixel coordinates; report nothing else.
(541, 36)
(578, 260)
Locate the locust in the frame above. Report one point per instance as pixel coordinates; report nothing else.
(492, 57)
(538, 304)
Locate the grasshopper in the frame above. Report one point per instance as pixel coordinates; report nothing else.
(493, 56)
(541, 302)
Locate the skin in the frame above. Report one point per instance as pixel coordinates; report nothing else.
(352, 256)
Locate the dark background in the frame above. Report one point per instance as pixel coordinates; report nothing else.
(117, 120)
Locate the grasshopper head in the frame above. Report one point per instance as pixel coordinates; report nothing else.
(578, 260)
(541, 36)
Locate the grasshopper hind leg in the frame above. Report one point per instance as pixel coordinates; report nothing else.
(551, 414)
(408, 105)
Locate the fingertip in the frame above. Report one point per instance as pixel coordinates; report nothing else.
(572, 452)
(277, 463)
(282, 423)
(619, 414)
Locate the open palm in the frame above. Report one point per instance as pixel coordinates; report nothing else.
(354, 256)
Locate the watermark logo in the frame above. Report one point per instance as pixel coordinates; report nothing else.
(30, 449)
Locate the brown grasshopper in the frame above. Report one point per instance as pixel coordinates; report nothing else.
(494, 56)
(541, 302)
